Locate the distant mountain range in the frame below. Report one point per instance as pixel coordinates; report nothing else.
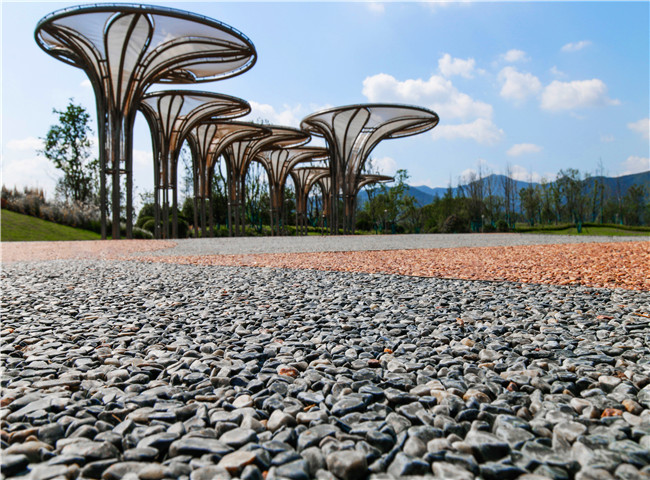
(425, 195)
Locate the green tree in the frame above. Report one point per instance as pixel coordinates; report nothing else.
(634, 204)
(572, 191)
(530, 202)
(68, 146)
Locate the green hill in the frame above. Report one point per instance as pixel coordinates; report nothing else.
(16, 227)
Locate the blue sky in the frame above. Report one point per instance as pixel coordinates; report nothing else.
(536, 86)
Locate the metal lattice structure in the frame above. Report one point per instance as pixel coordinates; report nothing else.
(351, 133)
(278, 163)
(125, 48)
(238, 156)
(207, 141)
(171, 115)
(304, 179)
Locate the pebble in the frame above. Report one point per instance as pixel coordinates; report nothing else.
(347, 464)
(154, 371)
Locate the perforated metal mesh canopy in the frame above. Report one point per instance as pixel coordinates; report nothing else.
(278, 163)
(207, 140)
(368, 179)
(171, 115)
(124, 48)
(352, 132)
(240, 153)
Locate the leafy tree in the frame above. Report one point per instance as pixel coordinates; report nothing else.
(634, 204)
(530, 202)
(572, 190)
(68, 146)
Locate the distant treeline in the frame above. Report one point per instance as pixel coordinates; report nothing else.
(494, 203)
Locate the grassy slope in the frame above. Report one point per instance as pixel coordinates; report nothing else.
(604, 231)
(21, 228)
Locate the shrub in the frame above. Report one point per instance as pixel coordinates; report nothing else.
(502, 226)
(454, 224)
(489, 228)
(142, 220)
(32, 202)
(149, 225)
(141, 233)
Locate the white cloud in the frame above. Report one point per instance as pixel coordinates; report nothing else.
(481, 130)
(289, 116)
(29, 171)
(523, 149)
(514, 55)
(577, 94)
(437, 93)
(86, 84)
(375, 7)
(143, 159)
(607, 138)
(574, 47)
(556, 72)
(635, 164)
(642, 126)
(28, 143)
(518, 172)
(518, 86)
(456, 66)
(385, 165)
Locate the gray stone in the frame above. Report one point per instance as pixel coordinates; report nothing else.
(11, 464)
(486, 447)
(279, 419)
(295, 470)
(404, 464)
(314, 458)
(347, 464)
(238, 437)
(197, 446)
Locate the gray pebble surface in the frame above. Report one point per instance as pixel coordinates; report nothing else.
(326, 243)
(127, 370)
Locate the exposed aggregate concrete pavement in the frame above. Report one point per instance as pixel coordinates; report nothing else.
(139, 370)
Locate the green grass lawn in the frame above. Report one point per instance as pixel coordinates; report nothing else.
(16, 227)
(605, 230)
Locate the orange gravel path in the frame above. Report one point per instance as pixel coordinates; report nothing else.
(605, 265)
(86, 249)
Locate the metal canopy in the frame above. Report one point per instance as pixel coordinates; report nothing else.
(304, 179)
(278, 163)
(207, 140)
(238, 156)
(171, 115)
(370, 179)
(352, 132)
(124, 48)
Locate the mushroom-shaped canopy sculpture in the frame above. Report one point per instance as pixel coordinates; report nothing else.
(207, 140)
(239, 155)
(351, 133)
(124, 48)
(278, 163)
(303, 180)
(171, 115)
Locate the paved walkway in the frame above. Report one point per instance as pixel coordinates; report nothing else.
(249, 245)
